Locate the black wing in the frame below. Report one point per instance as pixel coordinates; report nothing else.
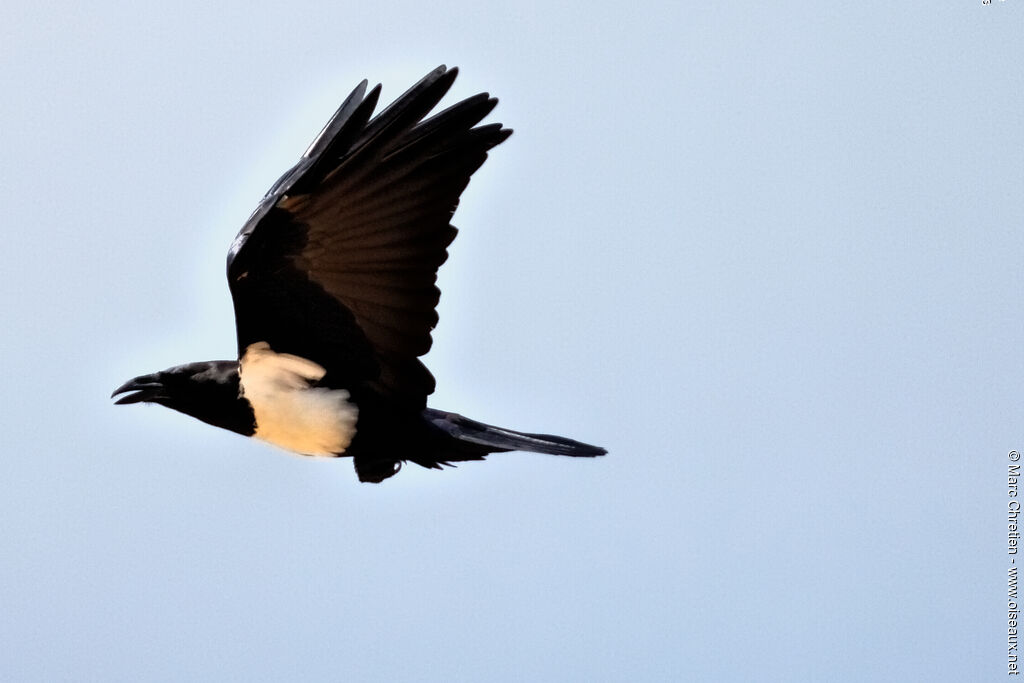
(338, 263)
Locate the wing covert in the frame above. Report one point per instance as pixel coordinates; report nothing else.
(339, 262)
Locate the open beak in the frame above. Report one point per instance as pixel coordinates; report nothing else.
(143, 388)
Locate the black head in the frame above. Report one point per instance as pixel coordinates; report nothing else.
(208, 391)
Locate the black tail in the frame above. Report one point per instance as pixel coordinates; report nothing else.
(453, 438)
(493, 439)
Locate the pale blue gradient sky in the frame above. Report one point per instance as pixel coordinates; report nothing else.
(769, 254)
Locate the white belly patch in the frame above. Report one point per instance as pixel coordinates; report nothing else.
(289, 412)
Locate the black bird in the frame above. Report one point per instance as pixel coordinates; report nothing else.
(333, 281)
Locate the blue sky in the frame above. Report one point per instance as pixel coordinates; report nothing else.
(768, 254)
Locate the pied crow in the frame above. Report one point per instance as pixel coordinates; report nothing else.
(333, 281)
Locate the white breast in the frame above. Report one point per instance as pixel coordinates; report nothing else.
(289, 412)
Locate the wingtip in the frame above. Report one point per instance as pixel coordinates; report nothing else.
(440, 70)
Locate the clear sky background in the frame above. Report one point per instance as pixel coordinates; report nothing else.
(770, 255)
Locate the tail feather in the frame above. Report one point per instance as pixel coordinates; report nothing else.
(494, 439)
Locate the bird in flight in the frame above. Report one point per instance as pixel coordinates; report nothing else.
(333, 282)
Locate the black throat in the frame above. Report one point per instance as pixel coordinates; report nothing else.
(211, 394)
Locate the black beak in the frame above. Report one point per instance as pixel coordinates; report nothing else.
(145, 388)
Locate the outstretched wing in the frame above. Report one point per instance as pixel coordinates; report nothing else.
(339, 261)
